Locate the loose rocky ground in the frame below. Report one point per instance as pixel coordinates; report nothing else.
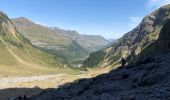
(147, 81)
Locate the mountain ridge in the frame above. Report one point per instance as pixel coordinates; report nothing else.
(74, 35)
(90, 42)
(68, 45)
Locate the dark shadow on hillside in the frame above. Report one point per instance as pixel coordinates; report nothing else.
(13, 93)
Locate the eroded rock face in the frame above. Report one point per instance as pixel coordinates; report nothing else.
(161, 45)
(8, 31)
(149, 81)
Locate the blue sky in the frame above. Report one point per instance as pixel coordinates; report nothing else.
(109, 18)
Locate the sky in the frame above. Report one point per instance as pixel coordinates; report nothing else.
(108, 18)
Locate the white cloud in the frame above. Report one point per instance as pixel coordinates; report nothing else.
(40, 23)
(157, 3)
(134, 21)
(49, 24)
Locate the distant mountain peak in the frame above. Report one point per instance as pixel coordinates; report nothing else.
(22, 21)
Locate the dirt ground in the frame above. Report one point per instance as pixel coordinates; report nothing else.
(11, 87)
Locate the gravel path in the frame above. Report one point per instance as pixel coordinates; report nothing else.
(8, 82)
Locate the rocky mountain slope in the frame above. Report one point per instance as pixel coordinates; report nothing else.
(68, 45)
(161, 45)
(133, 42)
(50, 41)
(148, 80)
(17, 54)
(91, 43)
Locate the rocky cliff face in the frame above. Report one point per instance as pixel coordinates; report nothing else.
(90, 43)
(161, 45)
(133, 42)
(9, 33)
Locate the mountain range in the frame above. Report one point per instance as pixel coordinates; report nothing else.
(68, 45)
(90, 43)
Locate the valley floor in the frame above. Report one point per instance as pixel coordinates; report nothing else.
(12, 87)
